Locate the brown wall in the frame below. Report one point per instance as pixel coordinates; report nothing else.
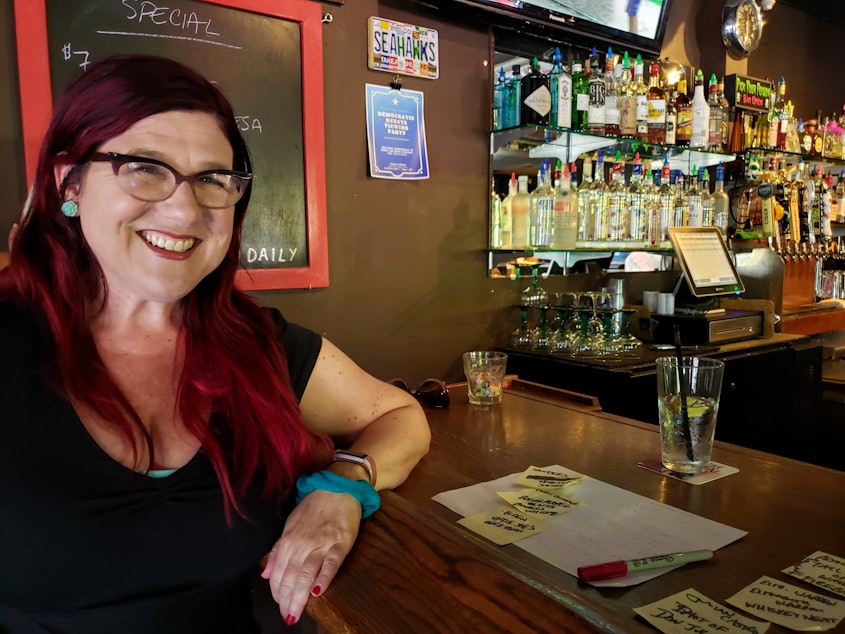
(409, 291)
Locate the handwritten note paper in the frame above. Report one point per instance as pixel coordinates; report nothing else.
(545, 479)
(822, 570)
(691, 611)
(503, 525)
(538, 503)
(788, 605)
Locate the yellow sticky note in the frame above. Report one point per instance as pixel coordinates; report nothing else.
(545, 479)
(502, 525)
(788, 605)
(822, 570)
(538, 503)
(691, 611)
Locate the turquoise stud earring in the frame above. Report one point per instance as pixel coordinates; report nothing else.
(70, 209)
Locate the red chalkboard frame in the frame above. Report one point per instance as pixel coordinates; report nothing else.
(36, 110)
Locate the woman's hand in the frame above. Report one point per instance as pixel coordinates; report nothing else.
(318, 535)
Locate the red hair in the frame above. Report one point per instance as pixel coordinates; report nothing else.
(232, 355)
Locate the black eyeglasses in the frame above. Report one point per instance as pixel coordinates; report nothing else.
(152, 181)
(431, 392)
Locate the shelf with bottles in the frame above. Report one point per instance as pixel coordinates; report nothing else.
(521, 148)
(793, 158)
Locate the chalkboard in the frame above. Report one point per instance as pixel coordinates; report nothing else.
(265, 55)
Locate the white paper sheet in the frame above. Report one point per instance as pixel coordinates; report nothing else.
(609, 524)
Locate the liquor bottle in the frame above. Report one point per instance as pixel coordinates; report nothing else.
(507, 214)
(708, 203)
(637, 216)
(778, 107)
(656, 107)
(694, 201)
(726, 111)
(782, 116)
(683, 108)
(541, 210)
(536, 98)
(617, 203)
(519, 214)
(498, 101)
(560, 85)
(585, 228)
(598, 92)
(597, 203)
(640, 91)
(580, 97)
(627, 102)
(495, 217)
(699, 125)
(680, 210)
(665, 202)
(566, 213)
(513, 92)
(671, 117)
(651, 198)
(716, 119)
(612, 114)
(840, 197)
(818, 138)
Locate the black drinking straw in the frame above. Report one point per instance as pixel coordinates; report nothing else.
(683, 390)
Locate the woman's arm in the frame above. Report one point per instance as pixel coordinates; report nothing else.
(364, 415)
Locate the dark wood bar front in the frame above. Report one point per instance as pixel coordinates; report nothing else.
(414, 569)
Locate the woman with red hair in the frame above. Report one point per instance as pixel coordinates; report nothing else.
(160, 431)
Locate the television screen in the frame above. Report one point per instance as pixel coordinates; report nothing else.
(638, 25)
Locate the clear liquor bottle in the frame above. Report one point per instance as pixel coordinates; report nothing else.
(627, 102)
(726, 113)
(721, 202)
(612, 114)
(495, 217)
(651, 196)
(598, 93)
(640, 91)
(566, 213)
(708, 209)
(560, 85)
(540, 211)
(680, 210)
(585, 228)
(507, 214)
(597, 210)
(536, 97)
(778, 111)
(694, 202)
(580, 97)
(656, 107)
(665, 202)
(716, 119)
(637, 217)
(700, 124)
(617, 203)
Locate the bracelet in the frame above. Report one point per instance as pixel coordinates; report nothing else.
(361, 490)
(367, 463)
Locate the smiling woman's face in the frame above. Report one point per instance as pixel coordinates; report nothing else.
(157, 251)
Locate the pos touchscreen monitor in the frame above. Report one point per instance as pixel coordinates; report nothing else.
(706, 262)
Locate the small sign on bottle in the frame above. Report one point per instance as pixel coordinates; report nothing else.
(397, 47)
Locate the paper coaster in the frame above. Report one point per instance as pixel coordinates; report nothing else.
(714, 471)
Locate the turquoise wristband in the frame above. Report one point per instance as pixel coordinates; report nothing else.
(361, 490)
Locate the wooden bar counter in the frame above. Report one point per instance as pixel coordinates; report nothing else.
(414, 569)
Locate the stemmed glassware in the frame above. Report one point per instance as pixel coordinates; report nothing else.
(535, 295)
(521, 337)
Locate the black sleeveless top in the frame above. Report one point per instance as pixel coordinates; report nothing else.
(88, 546)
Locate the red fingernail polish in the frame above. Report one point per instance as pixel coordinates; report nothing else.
(290, 620)
(316, 590)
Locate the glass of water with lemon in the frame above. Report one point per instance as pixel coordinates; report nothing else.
(688, 393)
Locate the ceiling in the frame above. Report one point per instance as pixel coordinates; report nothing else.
(828, 10)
